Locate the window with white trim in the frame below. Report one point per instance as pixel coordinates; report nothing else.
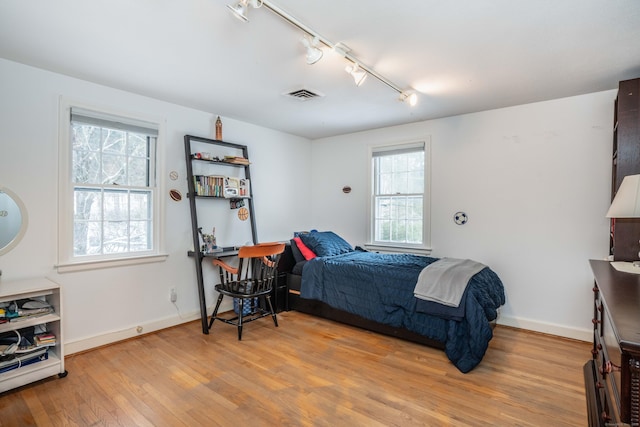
(399, 197)
(109, 193)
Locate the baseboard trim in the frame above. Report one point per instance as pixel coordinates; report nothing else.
(111, 337)
(547, 328)
(156, 325)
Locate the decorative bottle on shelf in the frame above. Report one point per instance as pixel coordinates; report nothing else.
(219, 129)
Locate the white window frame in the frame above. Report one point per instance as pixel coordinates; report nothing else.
(425, 247)
(67, 261)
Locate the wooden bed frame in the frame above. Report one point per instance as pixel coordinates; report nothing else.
(320, 309)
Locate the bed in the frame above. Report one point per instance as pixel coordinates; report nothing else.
(375, 291)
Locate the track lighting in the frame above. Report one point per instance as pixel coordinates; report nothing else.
(241, 7)
(357, 70)
(410, 97)
(359, 76)
(314, 54)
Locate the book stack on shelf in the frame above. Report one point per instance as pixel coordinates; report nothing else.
(209, 185)
(46, 339)
(221, 186)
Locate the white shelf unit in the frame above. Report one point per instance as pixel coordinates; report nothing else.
(42, 289)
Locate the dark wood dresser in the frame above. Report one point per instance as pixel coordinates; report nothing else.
(612, 376)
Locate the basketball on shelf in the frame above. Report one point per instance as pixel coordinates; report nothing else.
(243, 214)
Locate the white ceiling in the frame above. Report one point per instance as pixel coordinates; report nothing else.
(460, 56)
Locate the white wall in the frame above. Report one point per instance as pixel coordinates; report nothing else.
(105, 305)
(535, 182)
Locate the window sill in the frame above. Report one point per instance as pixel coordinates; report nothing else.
(419, 250)
(108, 263)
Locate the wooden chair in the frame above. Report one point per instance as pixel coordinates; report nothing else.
(251, 282)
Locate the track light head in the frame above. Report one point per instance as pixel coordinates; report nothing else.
(239, 10)
(359, 76)
(410, 97)
(241, 7)
(314, 53)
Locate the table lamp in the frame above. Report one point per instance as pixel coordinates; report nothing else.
(626, 204)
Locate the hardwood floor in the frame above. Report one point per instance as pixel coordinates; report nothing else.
(307, 372)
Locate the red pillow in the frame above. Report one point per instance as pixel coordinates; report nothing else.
(306, 252)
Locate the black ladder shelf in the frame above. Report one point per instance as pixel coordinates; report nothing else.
(198, 255)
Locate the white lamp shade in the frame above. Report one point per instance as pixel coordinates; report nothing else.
(359, 76)
(626, 203)
(314, 54)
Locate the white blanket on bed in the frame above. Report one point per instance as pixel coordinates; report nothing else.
(444, 281)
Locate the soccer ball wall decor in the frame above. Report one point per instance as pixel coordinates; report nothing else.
(460, 218)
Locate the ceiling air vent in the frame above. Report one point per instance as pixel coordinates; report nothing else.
(303, 94)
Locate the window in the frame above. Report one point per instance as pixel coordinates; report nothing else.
(399, 202)
(109, 189)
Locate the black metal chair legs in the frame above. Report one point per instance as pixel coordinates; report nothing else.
(239, 320)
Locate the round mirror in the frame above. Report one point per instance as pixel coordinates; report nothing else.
(13, 220)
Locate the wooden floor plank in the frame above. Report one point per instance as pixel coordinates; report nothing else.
(307, 372)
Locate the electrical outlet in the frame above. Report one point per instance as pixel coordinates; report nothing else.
(174, 295)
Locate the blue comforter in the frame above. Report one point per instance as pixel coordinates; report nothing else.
(380, 287)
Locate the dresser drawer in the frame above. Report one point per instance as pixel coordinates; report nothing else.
(603, 375)
(601, 412)
(610, 368)
(594, 400)
(600, 392)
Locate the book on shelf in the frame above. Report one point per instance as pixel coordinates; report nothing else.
(236, 160)
(46, 339)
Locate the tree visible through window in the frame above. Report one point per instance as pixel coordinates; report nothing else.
(398, 195)
(113, 179)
